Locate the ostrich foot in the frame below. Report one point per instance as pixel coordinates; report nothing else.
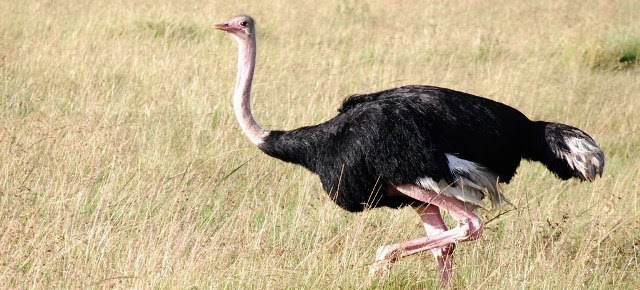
(385, 256)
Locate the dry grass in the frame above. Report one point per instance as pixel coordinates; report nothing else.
(121, 164)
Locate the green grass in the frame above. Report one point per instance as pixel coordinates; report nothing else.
(121, 164)
(616, 53)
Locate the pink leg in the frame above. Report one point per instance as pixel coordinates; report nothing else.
(434, 225)
(469, 228)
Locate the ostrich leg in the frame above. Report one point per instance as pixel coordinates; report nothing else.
(434, 225)
(469, 228)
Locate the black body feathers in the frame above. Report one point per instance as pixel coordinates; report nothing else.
(400, 135)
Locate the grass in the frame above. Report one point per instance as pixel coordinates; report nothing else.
(616, 53)
(121, 164)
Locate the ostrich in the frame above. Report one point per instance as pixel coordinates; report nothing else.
(430, 148)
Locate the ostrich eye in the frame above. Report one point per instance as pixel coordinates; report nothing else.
(243, 23)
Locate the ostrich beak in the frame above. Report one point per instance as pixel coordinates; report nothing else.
(224, 27)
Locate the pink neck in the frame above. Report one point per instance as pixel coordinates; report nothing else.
(242, 92)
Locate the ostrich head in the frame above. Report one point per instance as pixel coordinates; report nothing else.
(240, 27)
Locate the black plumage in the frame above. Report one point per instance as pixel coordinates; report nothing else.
(399, 135)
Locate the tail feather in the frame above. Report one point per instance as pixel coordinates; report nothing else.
(566, 151)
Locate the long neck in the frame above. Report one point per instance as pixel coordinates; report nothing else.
(242, 92)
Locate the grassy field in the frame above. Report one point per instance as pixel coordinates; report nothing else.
(121, 163)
